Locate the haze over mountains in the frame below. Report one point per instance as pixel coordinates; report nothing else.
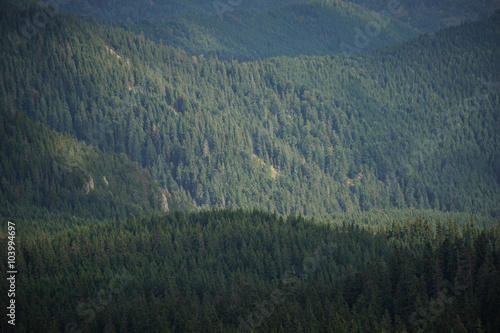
(253, 112)
(425, 15)
(313, 28)
(248, 30)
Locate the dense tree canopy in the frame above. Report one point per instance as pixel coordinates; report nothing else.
(162, 188)
(228, 270)
(411, 126)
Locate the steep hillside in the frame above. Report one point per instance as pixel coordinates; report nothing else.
(428, 110)
(119, 157)
(44, 173)
(311, 135)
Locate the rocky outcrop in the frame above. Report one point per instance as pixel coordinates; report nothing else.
(89, 186)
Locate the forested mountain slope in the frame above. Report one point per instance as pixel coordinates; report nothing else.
(311, 135)
(101, 129)
(44, 173)
(443, 88)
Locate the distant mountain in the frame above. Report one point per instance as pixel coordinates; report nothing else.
(425, 15)
(130, 10)
(312, 28)
(431, 15)
(256, 30)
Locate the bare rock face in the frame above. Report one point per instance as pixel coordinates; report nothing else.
(163, 200)
(89, 186)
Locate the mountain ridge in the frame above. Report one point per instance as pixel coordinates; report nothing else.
(312, 28)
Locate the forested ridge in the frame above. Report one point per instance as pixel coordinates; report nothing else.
(425, 15)
(129, 10)
(248, 30)
(157, 187)
(312, 28)
(223, 270)
(402, 127)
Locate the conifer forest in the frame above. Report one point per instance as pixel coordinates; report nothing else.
(250, 166)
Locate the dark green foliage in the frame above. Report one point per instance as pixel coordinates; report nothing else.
(45, 172)
(205, 271)
(378, 139)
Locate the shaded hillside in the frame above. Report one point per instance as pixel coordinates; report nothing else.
(126, 10)
(313, 28)
(44, 172)
(425, 15)
(431, 15)
(253, 271)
